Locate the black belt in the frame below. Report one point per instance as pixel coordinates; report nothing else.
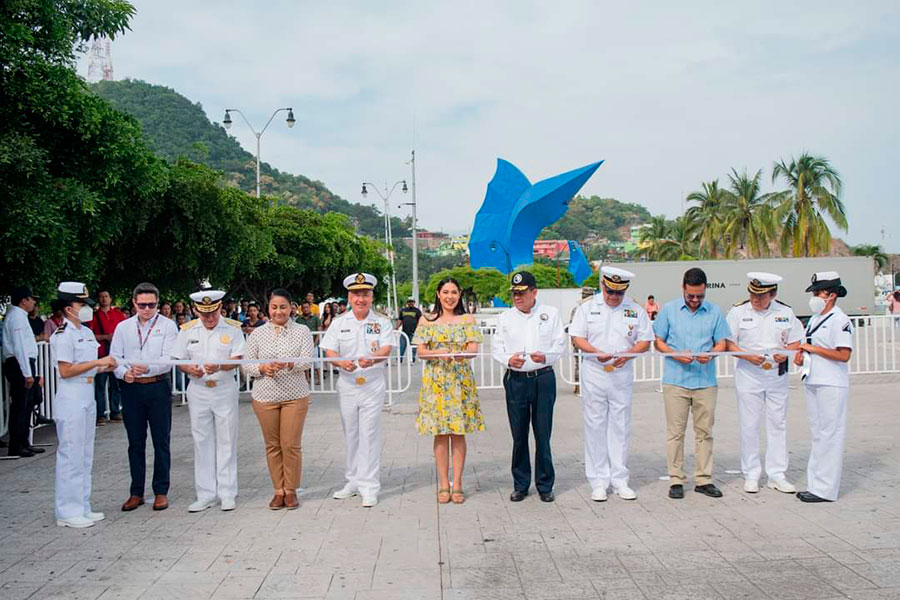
(531, 374)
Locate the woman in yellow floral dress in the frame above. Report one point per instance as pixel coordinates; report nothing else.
(448, 398)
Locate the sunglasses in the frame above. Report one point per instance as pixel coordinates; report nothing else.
(146, 305)
(695, 296)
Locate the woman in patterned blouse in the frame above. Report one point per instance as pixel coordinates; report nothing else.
(281, 395)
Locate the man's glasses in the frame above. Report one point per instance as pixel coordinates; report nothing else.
(146, 305)
(615, 292)
(695, 296)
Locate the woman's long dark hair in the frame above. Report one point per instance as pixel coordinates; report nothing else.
(438, 307)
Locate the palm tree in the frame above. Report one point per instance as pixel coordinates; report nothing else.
(685, 242)
(749, 217)
(873, 250)
(813, 193)
(654, 240)
(707, 217)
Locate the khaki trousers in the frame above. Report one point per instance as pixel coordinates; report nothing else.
(282, 429)
(679, 403)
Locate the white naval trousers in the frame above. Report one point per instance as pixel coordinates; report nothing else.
(75, 413)
(606, 407)
(826, 407)
(214, 427)
(759, 391)
(361, 407)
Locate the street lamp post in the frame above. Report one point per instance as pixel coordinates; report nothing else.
(388, 236)
(227, 123)
(494, 245)
(415, 246)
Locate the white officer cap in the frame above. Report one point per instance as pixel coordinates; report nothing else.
(761, 282)
(827, 280)
(359, 282)
(73, 291)
(207, 301)
(615, 278)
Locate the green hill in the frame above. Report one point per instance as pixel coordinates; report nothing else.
(591, 218)
(175, 127)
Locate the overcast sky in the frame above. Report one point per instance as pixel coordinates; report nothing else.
(668, 94)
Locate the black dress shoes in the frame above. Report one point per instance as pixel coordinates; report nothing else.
(36, 450)
(517, 496)
(23, 452)
(676, 491)
(547, 497)
(810, 497)
(709, 489)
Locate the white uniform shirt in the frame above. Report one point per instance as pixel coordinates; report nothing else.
(836, 332)
(761, 332)
(18, 339)
(611, 329)
(157, 336)
(540, 330)
(222, 342)
(350, 337)
(71, 344)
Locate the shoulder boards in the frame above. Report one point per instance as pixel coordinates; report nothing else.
(61, 328)
(782, 303)
(237, 324)
(742, 303)
(189, 324)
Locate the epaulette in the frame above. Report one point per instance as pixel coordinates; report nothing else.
(782, 303)
(61, 328)
(742, 303)
(237, 324)
(189, 324)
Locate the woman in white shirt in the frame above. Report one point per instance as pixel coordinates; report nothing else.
(826, 376)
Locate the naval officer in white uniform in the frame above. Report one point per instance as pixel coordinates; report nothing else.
(826, 348)
(74, 351)
(762, 325)
(212, 398)
(610, 323)
(360, 332)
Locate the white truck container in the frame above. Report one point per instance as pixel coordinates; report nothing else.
(727, 280)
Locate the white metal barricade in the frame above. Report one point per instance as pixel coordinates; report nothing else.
(875, 342)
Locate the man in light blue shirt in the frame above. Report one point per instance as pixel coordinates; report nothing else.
(687, 326)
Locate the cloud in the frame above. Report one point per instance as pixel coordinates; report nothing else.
(669, 94)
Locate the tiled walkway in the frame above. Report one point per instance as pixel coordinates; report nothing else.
(767, 545)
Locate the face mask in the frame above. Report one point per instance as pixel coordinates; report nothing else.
(816, 305)
(85, 314)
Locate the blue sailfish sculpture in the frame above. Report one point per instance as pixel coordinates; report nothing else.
(514, 212)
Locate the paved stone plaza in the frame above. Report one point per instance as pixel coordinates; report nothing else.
(767, 545)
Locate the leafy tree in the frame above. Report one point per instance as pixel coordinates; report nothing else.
(479, 286)
(74, 173)
(312, 252)
(749, 220)
(814, 190)
(201, 231)
(594, 216)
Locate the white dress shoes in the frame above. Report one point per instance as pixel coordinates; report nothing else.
(751, 486)
(369, 501)
(348, 491)
(782, 485)
(95, 516)
(76, 522)
(228, 504)
(598, 495)
(200, 506)
(626, 493)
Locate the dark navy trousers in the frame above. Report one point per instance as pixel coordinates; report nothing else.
(530, 401)
(143, 405)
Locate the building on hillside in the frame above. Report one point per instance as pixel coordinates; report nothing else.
(551, 249)
(636, 231)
